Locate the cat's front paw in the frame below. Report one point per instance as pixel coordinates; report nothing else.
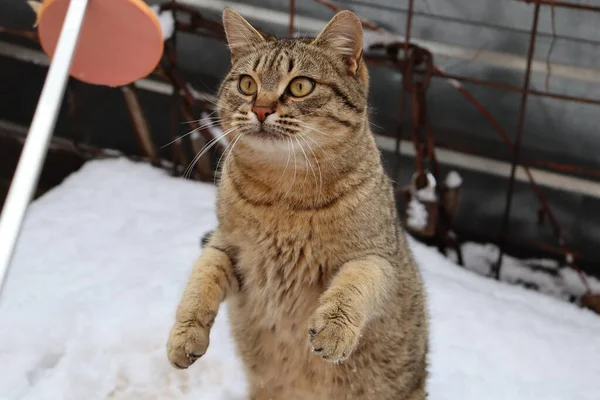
(187, 342)
(333, 332)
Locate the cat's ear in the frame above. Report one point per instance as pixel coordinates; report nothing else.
(240, 34)
(344, 34)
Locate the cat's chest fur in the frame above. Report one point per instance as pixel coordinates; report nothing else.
(284, 260)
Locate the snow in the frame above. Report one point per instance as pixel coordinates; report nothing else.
(453, 180)
(547, 276)
(416, 215)
(166, 20)
(427, 194)
(102, 262)
(375, 37)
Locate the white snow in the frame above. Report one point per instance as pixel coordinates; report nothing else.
(416, 214)
(375, 37)
(427, 194)
(547, 275)
(166, 20)
(103, 259)
(453, 180)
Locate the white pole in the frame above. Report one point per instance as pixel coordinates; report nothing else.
(36, 146)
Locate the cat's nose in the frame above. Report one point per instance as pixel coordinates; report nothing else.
(262, 112)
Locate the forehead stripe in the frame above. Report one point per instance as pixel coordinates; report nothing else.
(273, 59)
(257, 62)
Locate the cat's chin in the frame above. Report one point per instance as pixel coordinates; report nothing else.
(271, 145)
(265, 134)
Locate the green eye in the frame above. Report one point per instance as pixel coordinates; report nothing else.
(300, 87)
(247, 85)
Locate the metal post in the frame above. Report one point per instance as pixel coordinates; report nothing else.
(292, 15)
(36, 146)
(517, 146)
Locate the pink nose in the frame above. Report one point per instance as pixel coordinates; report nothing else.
(262, 112)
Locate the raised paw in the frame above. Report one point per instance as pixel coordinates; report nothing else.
(187, 342)
(333, 333)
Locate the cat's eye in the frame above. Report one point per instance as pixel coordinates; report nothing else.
(247, 85)
(300, 87)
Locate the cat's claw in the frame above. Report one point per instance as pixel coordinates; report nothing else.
(331, 336)
(187, 343)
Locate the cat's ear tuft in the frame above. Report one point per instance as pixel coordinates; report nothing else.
(344, 34)
(240, 34)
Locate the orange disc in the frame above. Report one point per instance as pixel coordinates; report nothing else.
(120, 40)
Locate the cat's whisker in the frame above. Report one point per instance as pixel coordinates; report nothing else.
(206, 98)
(206, 148)
(213, 102)
(235, 142)
(199, 128)
(306, 162)
(295, 171)
(375, 125)
(289, 147)
(316, 143)
(202, 121)
(327, 156)
(312, 128)
(221, 158)
(303, 137)
(195, 121)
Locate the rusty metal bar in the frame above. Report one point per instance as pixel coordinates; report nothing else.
(562, 4)
(526, 163)
(462, 21)
(386, 61)
(516, 89)
(517, 144)
(140, 125)
(31, 35)
(292, 16)
(409, 18)
(402, 97)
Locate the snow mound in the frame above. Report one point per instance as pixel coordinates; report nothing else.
(102, 262)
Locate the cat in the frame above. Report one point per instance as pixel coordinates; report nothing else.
(324, 297)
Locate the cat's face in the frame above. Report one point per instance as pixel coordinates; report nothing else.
(303, 93)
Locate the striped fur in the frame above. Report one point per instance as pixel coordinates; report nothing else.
(325, 299)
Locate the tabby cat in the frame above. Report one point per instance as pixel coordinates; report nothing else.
(325, 300)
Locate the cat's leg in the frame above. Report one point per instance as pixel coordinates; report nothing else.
(355, 296)
(211, 280)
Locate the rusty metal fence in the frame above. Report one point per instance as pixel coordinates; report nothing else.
(417, 66)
